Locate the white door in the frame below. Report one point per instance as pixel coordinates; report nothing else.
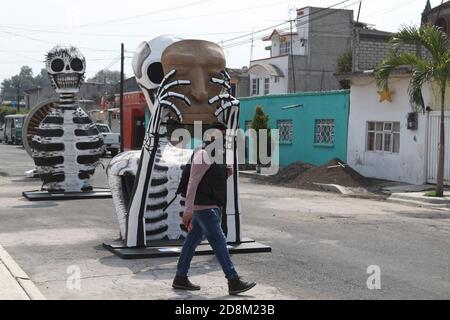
(433, 147)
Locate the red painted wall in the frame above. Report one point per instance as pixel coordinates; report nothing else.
(134, 106)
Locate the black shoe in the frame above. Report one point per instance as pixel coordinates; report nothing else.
(183, 283)
(236, 286)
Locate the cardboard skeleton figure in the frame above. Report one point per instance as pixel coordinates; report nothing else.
(67, 145)
(195, 88)
(123, 168)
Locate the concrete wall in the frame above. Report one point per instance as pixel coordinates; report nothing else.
(371, 47)
(409, 165)
(330, 35)
(315, 105)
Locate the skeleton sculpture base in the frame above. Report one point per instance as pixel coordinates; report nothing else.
(162, 250)
(96, 193)
(121, 174)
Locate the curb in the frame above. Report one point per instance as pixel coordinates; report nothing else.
(20, 276)
(415, 203)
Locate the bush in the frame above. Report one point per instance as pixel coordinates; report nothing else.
(344, 62)
(6, 111)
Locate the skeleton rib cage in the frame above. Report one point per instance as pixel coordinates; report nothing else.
(66, 148)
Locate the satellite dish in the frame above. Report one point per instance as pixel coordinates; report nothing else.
(34, 119)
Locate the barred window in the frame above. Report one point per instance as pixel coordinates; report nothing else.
(383, 136)
(285, 129)
(324, 131)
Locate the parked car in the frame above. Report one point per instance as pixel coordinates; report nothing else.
(12, 129)
(111, 139)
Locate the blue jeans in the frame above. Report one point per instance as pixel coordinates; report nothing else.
(206, 223)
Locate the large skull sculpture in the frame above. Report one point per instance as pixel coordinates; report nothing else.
(66, 67)
(183, 81)
(147, 65)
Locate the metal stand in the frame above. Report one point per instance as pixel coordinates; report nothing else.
(165, 249)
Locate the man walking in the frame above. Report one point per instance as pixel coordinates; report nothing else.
(205, 197)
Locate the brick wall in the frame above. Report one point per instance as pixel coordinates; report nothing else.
(371, 47)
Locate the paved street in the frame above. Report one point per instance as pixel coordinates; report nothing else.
(322, 244)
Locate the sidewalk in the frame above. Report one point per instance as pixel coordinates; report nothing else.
(420, 199)
(14, 283)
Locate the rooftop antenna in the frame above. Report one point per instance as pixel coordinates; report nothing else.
(359, 11)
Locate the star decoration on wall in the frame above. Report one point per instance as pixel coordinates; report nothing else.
(386, 95)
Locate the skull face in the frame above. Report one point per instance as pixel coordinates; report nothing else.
(147, 64)
(66, 67)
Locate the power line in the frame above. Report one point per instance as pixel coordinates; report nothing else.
(215, 13)
(49, 42)
(147, 13)
(287, 22)
(283, 23)
(110, 35)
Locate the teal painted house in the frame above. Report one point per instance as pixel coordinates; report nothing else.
(312, 126)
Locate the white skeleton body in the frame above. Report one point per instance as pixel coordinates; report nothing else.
(168, 168)
(67, 145)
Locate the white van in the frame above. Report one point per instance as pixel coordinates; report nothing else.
(13, 129)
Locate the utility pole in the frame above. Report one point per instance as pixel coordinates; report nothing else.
(122, 60)
(251, 47)
(294, 89)
(18, 96)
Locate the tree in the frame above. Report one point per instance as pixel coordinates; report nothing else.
(434, 67)
(16, 85)
(6, 111)
(260, 122)
(106, 76)
(344, 64)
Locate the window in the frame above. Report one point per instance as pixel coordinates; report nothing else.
(255, 87)
(285, 48)
(266, 86)
(233, 89)
(324, 131)
(383, 136)
(285, 131)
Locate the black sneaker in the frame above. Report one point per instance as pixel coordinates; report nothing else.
(183, 283)
(236, 286)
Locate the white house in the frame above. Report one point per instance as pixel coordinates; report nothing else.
(383, 140)
(304, 59)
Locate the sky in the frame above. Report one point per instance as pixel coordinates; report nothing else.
(28, 29)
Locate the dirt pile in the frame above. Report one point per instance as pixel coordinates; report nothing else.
(334, 172)
(288, 174)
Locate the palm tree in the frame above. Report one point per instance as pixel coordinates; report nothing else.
(434, 66)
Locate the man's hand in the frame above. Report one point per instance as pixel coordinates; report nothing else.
(187, 220)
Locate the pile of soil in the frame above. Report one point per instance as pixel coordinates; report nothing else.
(330, 173)
(288, 174)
